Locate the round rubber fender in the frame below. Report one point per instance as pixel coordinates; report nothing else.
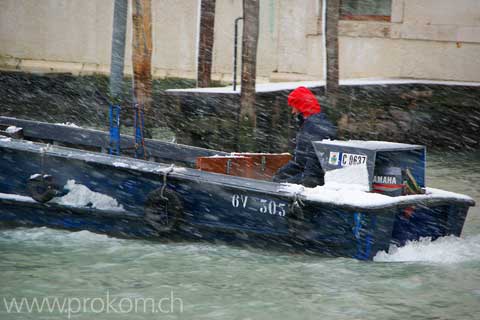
(163, 212)
(42, 188)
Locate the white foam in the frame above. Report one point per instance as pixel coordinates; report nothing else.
(44, 235)
(81, 196)
(446, 250)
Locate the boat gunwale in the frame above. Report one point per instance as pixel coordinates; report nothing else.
(247, 184)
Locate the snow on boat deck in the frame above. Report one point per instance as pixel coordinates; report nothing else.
(350, 186)
(278, 86)
(348, 195)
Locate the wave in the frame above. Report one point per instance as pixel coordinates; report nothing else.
(445, 250)
(46, 235)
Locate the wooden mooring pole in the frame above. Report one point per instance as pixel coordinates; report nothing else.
(142, 69)
(205, 43)
(332, 87)
(142, 52)
(248, 116)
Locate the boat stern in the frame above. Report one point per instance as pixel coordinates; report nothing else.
(430, 220)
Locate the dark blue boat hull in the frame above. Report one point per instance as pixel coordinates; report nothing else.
(215, 208)
(324, 233)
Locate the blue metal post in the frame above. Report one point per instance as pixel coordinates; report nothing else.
(120, 12)
(139, 133)
(114, 147)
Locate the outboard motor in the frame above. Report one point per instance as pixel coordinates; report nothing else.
(388, 181)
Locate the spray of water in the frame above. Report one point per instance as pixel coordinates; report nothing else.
(446, 250)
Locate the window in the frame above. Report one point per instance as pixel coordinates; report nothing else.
(379, 10)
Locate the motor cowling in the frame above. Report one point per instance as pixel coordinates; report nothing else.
(388, 181)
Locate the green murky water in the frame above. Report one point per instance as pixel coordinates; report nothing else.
(97, 277)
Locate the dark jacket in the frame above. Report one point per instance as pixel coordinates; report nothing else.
(305, 167)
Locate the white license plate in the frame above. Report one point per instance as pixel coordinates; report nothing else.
(350, 159)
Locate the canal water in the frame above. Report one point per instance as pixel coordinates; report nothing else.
(96, 277)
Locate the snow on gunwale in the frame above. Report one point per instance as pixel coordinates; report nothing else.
(16, 197)
(121, 162)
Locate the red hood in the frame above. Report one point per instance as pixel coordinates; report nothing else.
(304, 100)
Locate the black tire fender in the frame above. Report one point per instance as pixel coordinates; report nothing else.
(163, 211)
(42, 188)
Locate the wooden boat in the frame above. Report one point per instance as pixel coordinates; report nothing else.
(62, 177)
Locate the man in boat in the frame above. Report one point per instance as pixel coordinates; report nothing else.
(305, 167)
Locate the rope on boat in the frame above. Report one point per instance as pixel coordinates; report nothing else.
(164, 186)
(297, 202)
(43, 151)
(296, 218)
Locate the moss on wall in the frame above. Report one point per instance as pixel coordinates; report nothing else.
(434, 115)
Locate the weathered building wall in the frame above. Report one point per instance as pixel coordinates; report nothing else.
(62, 35)
(432, 39)
(75, 36)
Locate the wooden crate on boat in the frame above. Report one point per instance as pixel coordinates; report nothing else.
(231, 165)
(266, 165)
(259, 166)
